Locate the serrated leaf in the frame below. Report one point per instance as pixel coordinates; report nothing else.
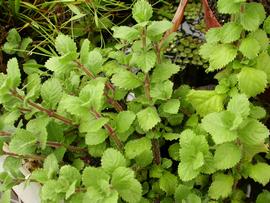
(61, 65)
(162, 90)
(168, 182)
(261, 37)
(218, 125)
(136, 147)
(142, 11)
(229, 7)
(266, 25)
(38, 127)
(127, 186)
(171, 136)
(205, 101)
(126, 33)
(230, 32)
(253, 132)
(252, 16)
(213, 35)
(171, 106)
(94, 61)
(51, 165)
(164, 71)
(92, 124)
(186, 171)
(12, 166)
(260, 172)
(71, 190)
(13, 36)
(64, 44)
(144, 60)
(222, 56)
(145, 158)
(156, 29)
(148, 118)
(207, 49)
(13, 73)
(50, 191)
(126, 80)
(23, 142)
(252, 81)
(92, 176)
(40, 175)
(95, 138)
(112, 159)
(124, 120)
(181, 192)
(221, 187)
(84, 52)
(249, 47)
(263, 63)
(33, 86)
(257, 112)
(51, 92)
(263, 197)
(239, 105)
(71, 174)
(227, 155)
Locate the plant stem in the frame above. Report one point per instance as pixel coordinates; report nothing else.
(108, 86)
(156, 151)
(35, 157)
(110, 130)
(147, 87)
(49, 112)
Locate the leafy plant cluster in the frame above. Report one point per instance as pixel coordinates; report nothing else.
(110, 125)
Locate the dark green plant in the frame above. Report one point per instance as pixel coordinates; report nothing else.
(108, 125)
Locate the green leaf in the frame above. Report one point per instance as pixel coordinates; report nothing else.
(162, 90)
(61, 65)
(263, 197)
(23, 142)
(136, 147)
(205, 101)
(213, 35)
(94, 138)
(252, 16)
(112, 159)
(6, 196)
(71, 174)
(51, 92)
(12, 166)
(92, 177)
(124, 120)
(230, 32)
(92, 94)
(33, 86)
(156, 29)
(260, 172)
(40, 175)
(13, 36)
(71, 190)
(171, 106)
(181, 192)
(257, 112)
(221, 187)
(64, 44)
(261, 37)
(145, 158)
(50, 191)
(253, 132)
(227, 155)
(168, 182)
(24, 44)
(13, 73)
(252, 81)
(92, 124)
(164, 71)
(218, 126)
(84, 52)
(127, 186)
(125, 33)
(239, 105)
(263, 63)
(148, 118)
(142, 11)
(144, 60)
(266, 25)
(94, 61)
(229, 7)
(126, 80)
(249, 47)
(51, 165)
(38, 127)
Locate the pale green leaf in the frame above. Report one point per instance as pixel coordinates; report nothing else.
(218, 126)
(263, 197)
(186, 171)
(249, 47)
(112, 159)
(266, 25)
(205, 101)
(84, 52)
(6, 196)
(239, 105)
(257, 112)
(51, 165)
(229, 7)
(126, 80)
(260, 172)
(162, 90)
(156, 29)
(124, 120)
(23, 142)
(171, 106)
(64, 44)
(213, 35)
(230, 32)
(252, 81)
(261, 37)
(144, 60)
(95, 138)
(92, 176)
(13, 73)
(13, 36)
(221, 186)
(51, 92)
(263, 63)
(127, 186)
(33, 86)
(125, 33)
(168, 182)
(142, 11)
(136, 147)
(164, 71)
(94, 61)
(227, 155)
(148, 118)
(71, 190)
(40, 175)
(71, 174)
(92, 124)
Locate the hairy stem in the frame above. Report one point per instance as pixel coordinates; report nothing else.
(156, 151)
(147, 87)
(34, 157)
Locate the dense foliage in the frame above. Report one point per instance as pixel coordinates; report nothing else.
(113, 125)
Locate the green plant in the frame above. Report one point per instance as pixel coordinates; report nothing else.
(108, 125)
